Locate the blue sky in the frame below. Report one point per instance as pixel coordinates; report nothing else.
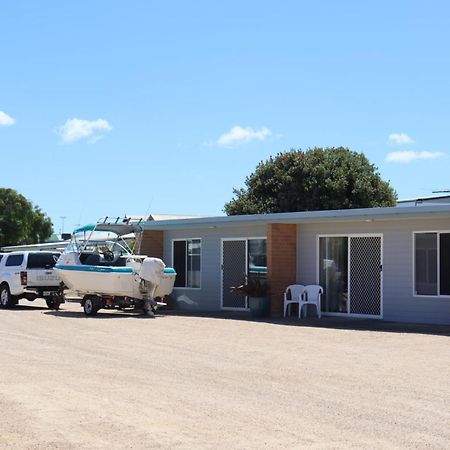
(112, 107)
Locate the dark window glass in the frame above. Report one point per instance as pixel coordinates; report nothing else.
(1, 256)
(444, 263)
(42, 260)
(257, 257)
(426, 263)
(186, 262)
(14, 260)
(179, 262)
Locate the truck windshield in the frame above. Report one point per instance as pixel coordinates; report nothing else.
(42, 260)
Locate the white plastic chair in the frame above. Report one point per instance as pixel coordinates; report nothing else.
(296, 293)
(312, 295)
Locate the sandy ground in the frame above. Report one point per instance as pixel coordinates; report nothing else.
(125, 381)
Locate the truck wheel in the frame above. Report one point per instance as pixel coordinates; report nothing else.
(6, 299)
(52, 303)
(90, 307)
(55, 300)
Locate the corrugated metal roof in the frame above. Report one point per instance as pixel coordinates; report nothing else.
(61, 245)
(426, 198)
(173, 216)
(340, 215)
(148, 217)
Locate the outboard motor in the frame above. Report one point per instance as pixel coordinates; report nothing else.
(157, 280)
(151, 270)
(151, 273)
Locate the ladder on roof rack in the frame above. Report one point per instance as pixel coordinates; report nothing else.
(114, 221)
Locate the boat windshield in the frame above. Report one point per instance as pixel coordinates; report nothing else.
(101, 242)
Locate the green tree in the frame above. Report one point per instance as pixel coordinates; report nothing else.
(317, 179)
(20, 221)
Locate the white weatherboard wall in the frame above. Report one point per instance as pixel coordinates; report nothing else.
(399, 303)
(208, 296)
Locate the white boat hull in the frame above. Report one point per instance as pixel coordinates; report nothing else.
(113, 281)
(101, 283)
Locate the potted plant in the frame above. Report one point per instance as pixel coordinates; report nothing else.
(256, 289)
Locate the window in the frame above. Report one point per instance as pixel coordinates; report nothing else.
(14, 260)
(432, 263)
(257, 259)
(42, 260)
(186, 262)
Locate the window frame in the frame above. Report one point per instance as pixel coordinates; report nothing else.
(438, 266)
(186, 264)
(12, 256)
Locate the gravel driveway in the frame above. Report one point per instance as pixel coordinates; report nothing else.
(126, 381)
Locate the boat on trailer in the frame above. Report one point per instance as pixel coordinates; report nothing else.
(100, 266)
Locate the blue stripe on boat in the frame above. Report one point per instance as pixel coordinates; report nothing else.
(86, 268)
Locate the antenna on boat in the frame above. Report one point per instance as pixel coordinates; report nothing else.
(147, 212)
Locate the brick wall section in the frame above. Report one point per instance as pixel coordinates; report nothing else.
(151, 244)
(281, 262)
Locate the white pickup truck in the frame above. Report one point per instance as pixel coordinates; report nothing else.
(29, 275)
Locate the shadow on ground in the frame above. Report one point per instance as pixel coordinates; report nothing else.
(102, 314)
(340, 323)
(29, 307)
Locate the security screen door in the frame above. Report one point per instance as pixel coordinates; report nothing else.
(350, 271)
(365, 275)
(234, 268)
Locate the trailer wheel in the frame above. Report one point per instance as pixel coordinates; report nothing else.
(6, 299)
(90, 307)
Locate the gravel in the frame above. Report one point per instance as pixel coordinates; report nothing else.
(122, 380)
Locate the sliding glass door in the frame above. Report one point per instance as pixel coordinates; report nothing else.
(333, 273)
(350, 271)
(245, 257)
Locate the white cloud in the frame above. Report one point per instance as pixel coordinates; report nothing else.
(238, 135)
(399, 139)
(408, 156)
(6, 120)
(76, 129)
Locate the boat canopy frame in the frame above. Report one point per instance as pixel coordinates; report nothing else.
(120, 227)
